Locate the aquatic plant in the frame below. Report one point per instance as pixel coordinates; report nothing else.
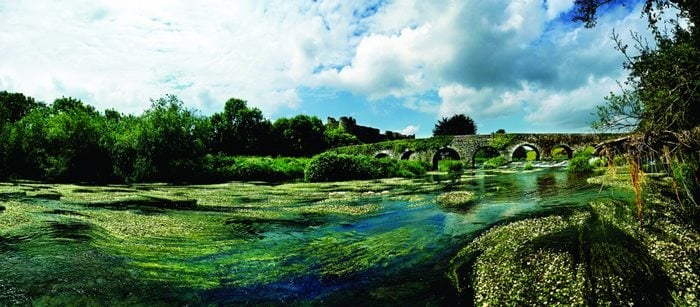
(455, 198)
(528, 166)
(495, 162)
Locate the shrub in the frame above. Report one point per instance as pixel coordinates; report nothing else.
(412, 169)
(579, 164)
(495, 162)
(528, 166)
(331, 166)
(254, 168)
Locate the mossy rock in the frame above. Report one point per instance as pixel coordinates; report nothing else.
(456, 199)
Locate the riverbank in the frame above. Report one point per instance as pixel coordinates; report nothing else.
(594, 255)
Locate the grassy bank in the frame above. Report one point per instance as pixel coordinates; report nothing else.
(593, 256)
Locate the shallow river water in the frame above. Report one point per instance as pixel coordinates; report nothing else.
(389, 243)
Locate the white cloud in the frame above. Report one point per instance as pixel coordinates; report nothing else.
(557, 7)
(484, 58)
(120, 53)
(410, 130)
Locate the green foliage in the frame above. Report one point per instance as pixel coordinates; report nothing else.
(337, 137)
(579, 164)
(450, 166)
(459, 124)
(495, 162)
(528, 166)
(500, 140)
(397, 146)
(301, 135)
(171, 142)
(15, 106)
(240, 130)
(225, 168)
(331, 166)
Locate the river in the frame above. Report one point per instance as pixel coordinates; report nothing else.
(392, 245)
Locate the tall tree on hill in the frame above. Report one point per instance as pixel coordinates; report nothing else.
(459, 124)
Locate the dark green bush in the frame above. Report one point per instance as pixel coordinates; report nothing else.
(579, 164)
(528, 166)
(331, 166)
(220, 168)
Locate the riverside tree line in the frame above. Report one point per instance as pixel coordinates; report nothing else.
(69, 140)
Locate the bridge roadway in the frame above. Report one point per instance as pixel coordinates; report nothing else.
(466, 147)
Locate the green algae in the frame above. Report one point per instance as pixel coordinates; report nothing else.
(131, 245)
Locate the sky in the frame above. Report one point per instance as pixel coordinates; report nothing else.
(518, 65)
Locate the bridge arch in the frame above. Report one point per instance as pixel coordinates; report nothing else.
(566, 150)
(444, 153)
(486, 151)
(406, 155)
(523, 147)
(383, 154)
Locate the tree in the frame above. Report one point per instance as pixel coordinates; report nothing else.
(13, 107)
(171, 142)
(660, 103)
(239, 129)
(459, 124)
(337, 137)
(301, 135)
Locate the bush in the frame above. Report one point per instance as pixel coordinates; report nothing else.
(579, 164)
(331, 166)
(528, 166)
(220, 168)
(495, 162)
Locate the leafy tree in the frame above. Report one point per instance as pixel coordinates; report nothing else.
(337, 137)
(660, 103)
(301, 135)
(239, 129)
(459, 124)
(171, 142)
(13, 107)
(63, 142)
(664, 82)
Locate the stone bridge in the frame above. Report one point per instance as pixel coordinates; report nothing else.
(466, 147)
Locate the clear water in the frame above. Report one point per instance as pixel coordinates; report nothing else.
(399, 253)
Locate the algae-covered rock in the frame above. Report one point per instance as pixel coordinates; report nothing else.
(455, 199)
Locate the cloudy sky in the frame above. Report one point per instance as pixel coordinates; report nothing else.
(520, 65)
